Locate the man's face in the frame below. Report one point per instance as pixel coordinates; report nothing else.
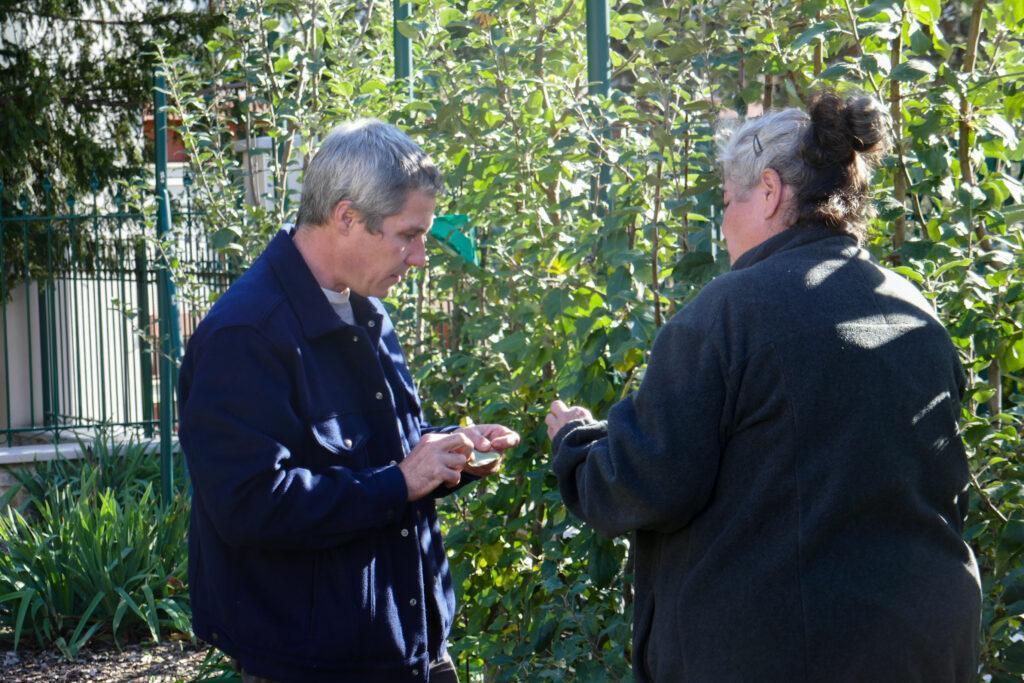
(373, 263)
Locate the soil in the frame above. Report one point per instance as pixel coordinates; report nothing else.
(163, 663)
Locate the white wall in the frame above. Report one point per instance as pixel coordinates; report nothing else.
(21, 399)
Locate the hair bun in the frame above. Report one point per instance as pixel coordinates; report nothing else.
(842, 127)
(865, 121)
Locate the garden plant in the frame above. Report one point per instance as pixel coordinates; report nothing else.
(596, 219)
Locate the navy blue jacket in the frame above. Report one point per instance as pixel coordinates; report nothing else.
(306, 560)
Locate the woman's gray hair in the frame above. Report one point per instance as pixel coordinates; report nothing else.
(769, 141)
(372, 164)
(826, 155)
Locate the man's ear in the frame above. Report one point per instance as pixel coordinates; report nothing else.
(773, 188)
(343, 215)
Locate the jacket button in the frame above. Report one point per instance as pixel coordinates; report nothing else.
(413, 602)
(372, 323)
(355, 337)
(392, 463)
(347, 443)
(405, 532)
(415, 672)
(379, 395)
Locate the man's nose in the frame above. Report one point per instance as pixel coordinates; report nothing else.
(417, 254)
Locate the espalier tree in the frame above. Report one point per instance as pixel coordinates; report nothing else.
(576, 278)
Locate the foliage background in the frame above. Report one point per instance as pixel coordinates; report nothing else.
(569, 295)
(75, 79)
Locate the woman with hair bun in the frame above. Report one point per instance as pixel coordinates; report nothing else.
(791, 465)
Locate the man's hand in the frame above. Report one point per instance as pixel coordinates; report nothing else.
(486, 438)
(561, 415)
(437, 459)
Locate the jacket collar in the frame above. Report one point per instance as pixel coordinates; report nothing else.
(791, 238)
(315, 313)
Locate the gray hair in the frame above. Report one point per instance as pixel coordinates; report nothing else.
(826, 155)
(372, 164)
(769, 141)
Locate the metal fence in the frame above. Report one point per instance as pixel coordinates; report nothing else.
(79, 321)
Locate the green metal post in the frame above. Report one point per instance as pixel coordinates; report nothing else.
(45, 347)
(599, 76)
(100, 317)
(48, 324)
(145, 350)
(170, 334)
(403, 46)
(27, 280)
(3, 322)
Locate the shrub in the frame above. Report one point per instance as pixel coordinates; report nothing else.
(93, 554)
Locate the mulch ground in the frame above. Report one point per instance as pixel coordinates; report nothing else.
(163, 663)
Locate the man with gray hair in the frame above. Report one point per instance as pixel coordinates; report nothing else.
(315, 552)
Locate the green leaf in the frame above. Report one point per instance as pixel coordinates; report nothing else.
(925, 11)
(604, 560)
(841, 71)
(912, 70)
(534, 102)
(950, 265)
(25, 596)
(654, 30)
(1013, 534)
(77, 641)
(909, 273)
(815, 34)
(407, 29)
(152, 618)
(543, 635)
(372, 85)
(282, 64)
(450, 15)
(555, 302)
(225, 236)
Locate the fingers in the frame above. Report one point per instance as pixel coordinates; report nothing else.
(561, 414)
(476, 435)
(503, 443)
(452, 463)
(451, 478)
(498, 437)
(578, 413)
(491, 437)
(457, 442)
(453, 460)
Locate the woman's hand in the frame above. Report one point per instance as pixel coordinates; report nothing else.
(561, 415)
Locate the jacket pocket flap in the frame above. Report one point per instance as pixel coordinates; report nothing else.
(341, 434)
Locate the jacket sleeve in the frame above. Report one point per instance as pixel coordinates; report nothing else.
(238, 430)
(653, 464)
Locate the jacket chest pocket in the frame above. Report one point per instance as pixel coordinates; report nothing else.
(342, 439)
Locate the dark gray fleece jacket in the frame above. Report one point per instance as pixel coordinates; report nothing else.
(792, 471)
